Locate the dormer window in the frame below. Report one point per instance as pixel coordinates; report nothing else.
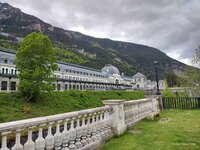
(5, 61)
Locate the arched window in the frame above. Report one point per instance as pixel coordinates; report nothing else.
(116, 81)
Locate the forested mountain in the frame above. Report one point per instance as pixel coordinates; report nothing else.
(78, 48)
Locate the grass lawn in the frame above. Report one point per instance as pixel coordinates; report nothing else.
(13, 107)
(176, 130)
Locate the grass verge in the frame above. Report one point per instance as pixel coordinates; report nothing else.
(13, 107)
(176, 130)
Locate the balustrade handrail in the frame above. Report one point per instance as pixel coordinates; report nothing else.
(14, 125)
(137, 101)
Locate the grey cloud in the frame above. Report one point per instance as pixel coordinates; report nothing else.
(171, 26)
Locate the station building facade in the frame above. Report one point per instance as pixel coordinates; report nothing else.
(69, 76)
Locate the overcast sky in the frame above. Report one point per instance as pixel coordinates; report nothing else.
(173, 26)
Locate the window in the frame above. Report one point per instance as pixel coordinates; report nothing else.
(13, 86)
(58, 69)
(3, 70)
(58, 76)
(12, 71)
(66, 86)
(15, 72)
(6, 71)
(58, 87)
(5, 61)
(4, 85)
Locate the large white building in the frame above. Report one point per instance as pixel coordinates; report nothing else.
(69, 76)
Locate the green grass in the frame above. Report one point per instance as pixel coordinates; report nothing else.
(13, 107)
(176, 130)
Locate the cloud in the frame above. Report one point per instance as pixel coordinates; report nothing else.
(171, 26)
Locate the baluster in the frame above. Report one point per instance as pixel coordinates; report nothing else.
(89, 130)
(94, 138)
(65, 136)
(84, 131)
(40, 141)
(98, 127)
(78, 134)
(58, 136)
(105, 124)
(109, 124)
(139, 110)
(18, 145)
(101, 125)
(49, 140)
(72, 135)
(142, 109)
(29, 145)
(145, 108)
(4, 141)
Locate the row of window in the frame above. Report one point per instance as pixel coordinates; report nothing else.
(139, 80)
(82, 73)
(79, 78)
(5, 61)
(81, 87)
(4, 86)
(7, 71)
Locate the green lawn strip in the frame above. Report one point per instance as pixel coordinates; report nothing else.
(176, 130)
(13, 107)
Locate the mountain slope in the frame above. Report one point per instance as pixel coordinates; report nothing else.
(85, 50)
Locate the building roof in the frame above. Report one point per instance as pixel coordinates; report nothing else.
(138, 75)
(7, 50)
(78, 66)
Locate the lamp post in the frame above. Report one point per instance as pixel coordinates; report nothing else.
(156, 70)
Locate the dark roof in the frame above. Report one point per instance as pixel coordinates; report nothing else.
(59, 62)
(79, 66)
(7, 50)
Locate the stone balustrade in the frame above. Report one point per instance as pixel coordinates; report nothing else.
(79, 130)
(137, 110)
(75, 130)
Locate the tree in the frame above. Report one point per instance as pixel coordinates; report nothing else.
(35, 62)
(172, 79)
(191, 76)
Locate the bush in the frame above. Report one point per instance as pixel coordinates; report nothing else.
(168, 93)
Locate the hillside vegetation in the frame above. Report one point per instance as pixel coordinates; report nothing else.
(13, 107)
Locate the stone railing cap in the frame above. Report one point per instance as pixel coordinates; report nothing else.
(113, 102)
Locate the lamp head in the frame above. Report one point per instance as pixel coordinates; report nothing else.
(155, 63)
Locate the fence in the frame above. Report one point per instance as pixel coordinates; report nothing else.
(181, 102)
(82, 130)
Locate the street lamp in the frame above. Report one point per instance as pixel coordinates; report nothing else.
(156, 69)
